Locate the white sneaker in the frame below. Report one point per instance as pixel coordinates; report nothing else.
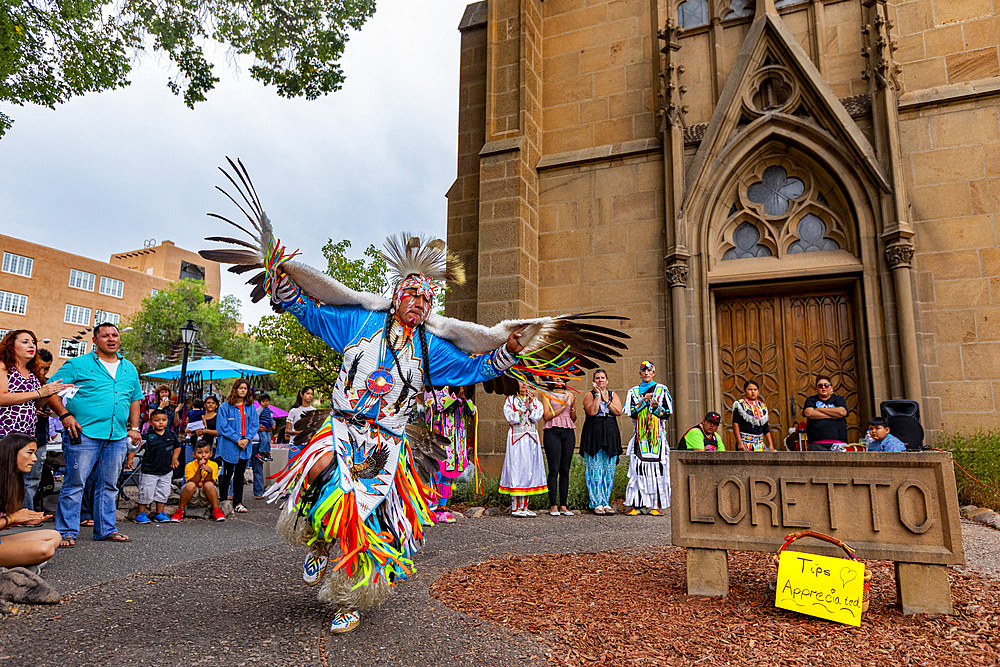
(528, 512)
(518, 513)
(313, 569)
(344, 622)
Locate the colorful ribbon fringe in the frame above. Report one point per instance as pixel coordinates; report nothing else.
(273, 260)
(366, 547)
(531, 369)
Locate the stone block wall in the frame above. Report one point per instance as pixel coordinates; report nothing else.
(559, 204)
(950, 138)
(946, 42)
(953, 179)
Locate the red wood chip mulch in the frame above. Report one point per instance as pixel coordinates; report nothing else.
(629, 607)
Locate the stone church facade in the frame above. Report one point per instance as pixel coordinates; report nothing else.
(767, 190)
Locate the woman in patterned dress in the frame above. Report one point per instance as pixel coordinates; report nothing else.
(750, 421)
(21, 388)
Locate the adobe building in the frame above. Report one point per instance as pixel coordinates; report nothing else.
(58, 294)
(768, 191)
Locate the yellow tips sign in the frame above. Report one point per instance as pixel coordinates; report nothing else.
(830, 588)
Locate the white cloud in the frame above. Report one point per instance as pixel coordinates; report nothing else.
(105, 172)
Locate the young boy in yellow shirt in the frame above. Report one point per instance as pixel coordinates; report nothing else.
(200, 477)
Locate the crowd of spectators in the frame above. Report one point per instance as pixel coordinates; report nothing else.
(203, 446)
(109, 429)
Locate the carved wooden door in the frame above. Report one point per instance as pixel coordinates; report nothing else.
(782, 342)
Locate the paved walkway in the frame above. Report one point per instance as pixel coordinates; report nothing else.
(230, 593)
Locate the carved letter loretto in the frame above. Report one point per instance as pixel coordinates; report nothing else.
(873, 485)
(928, 506)
(741, 492)
(831, 498)
(899, 507)
(768, 499)
(787, 501)
(692, 496)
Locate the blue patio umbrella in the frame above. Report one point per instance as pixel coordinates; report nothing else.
(210, 368)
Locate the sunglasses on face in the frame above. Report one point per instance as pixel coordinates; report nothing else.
(824, 384)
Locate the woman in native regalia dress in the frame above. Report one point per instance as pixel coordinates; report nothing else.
(523, 472)
(357, 493)
(452, 415)
(649, 404)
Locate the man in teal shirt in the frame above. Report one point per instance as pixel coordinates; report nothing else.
(104, 413)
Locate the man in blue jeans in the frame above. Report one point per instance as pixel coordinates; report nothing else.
(104, 412)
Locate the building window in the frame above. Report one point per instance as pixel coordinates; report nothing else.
(81, 280)
(153, 292)
(786, 209)
(13, 303)
(77, 315)
(17, 264)
(4, 332)
(102, 317)
(812, 236)
(740, 8)
(71, 348)
(191, 271)
(692, 13)
(775, 190)
(746, 239)
(112, 286)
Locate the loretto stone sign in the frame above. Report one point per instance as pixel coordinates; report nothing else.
(898, 507)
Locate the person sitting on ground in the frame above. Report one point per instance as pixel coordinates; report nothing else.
(162, 454)
(28, 548)
(201, 475)
(882, 440)
(703, 436)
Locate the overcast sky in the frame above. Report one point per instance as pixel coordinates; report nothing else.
(103, 173)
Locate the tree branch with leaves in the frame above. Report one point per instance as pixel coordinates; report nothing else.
(53, 50)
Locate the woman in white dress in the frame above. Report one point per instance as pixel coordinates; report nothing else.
(523, 472)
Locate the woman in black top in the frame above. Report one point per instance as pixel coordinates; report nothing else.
(750, 421)
(601, 442)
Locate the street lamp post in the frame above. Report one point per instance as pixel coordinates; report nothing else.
(187, 335)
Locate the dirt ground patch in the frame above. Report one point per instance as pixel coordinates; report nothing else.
(629, 607)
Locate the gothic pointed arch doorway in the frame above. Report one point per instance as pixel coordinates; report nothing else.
(786, 289)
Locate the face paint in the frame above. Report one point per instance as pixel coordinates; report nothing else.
(412, 299)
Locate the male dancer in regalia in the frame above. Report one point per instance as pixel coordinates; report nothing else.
(649, 404)
(355, 496)
(388, 358)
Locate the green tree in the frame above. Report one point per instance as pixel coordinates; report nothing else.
(299, 358)
(52, 50)
(156, 327)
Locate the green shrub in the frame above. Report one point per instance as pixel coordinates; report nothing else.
(979, 454)
(577, 499)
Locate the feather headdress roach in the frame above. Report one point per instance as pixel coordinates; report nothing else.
(559, 347)
(409, 255)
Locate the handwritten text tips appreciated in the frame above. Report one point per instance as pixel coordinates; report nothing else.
(822, 586)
